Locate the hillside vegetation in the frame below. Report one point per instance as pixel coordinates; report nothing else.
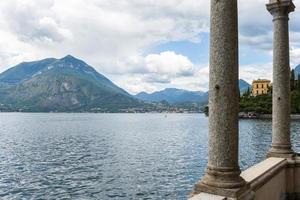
(262, 104)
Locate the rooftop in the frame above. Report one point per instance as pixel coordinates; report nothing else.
(261, 81)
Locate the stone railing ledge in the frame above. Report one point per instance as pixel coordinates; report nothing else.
(262, 172)
(206, 196)
(297, 160)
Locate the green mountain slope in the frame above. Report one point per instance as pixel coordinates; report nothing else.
(66, 84)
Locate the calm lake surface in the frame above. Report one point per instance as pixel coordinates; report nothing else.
(113, 156)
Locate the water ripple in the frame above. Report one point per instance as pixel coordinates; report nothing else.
(113, 156)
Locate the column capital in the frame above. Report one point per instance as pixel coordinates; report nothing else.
(280, 8)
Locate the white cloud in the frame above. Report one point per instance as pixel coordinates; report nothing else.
(260, 42)
(156, 70)
(33, 22)
(115, 35)
(255, 71)
(295, 56)
(169, 63)
(102, 32)
(256, 26)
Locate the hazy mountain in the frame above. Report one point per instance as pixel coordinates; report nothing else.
(243, 85)
(176, 96)
(171, 95)
(66, 84)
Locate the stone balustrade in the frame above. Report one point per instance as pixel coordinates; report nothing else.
(273, 178)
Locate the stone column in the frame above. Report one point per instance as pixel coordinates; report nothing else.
(223, 173)
(281, 143)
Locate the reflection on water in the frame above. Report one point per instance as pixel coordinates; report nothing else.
(113, 156)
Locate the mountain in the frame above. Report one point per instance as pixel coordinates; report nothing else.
(177, 96)
(66, 84)
(70, 85)
(171, 95)
(243, 85)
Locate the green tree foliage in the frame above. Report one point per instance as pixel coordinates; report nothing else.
(206, 110)
(262, 104)
(298, 83)
(247, 93)
(293, 86)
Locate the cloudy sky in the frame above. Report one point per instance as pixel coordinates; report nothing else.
(142, 45)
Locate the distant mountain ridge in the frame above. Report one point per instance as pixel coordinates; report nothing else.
(66, 84)
(243, 86)
(172, 96)
(70, 85)
(176, 96)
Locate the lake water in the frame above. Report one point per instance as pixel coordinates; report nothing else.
(113, 156)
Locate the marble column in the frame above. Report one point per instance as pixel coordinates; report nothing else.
(281, 142)
(222, 175)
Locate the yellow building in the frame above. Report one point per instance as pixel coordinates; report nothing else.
(260, 86)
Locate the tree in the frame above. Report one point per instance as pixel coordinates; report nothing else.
(292, 79)
(206, 110)
(298, 83)
(270, 90)
(247, 93)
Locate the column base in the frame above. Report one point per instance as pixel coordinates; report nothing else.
(223, 182)
(281, 151)
(243, 193)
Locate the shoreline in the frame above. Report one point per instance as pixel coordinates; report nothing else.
(264, 116)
